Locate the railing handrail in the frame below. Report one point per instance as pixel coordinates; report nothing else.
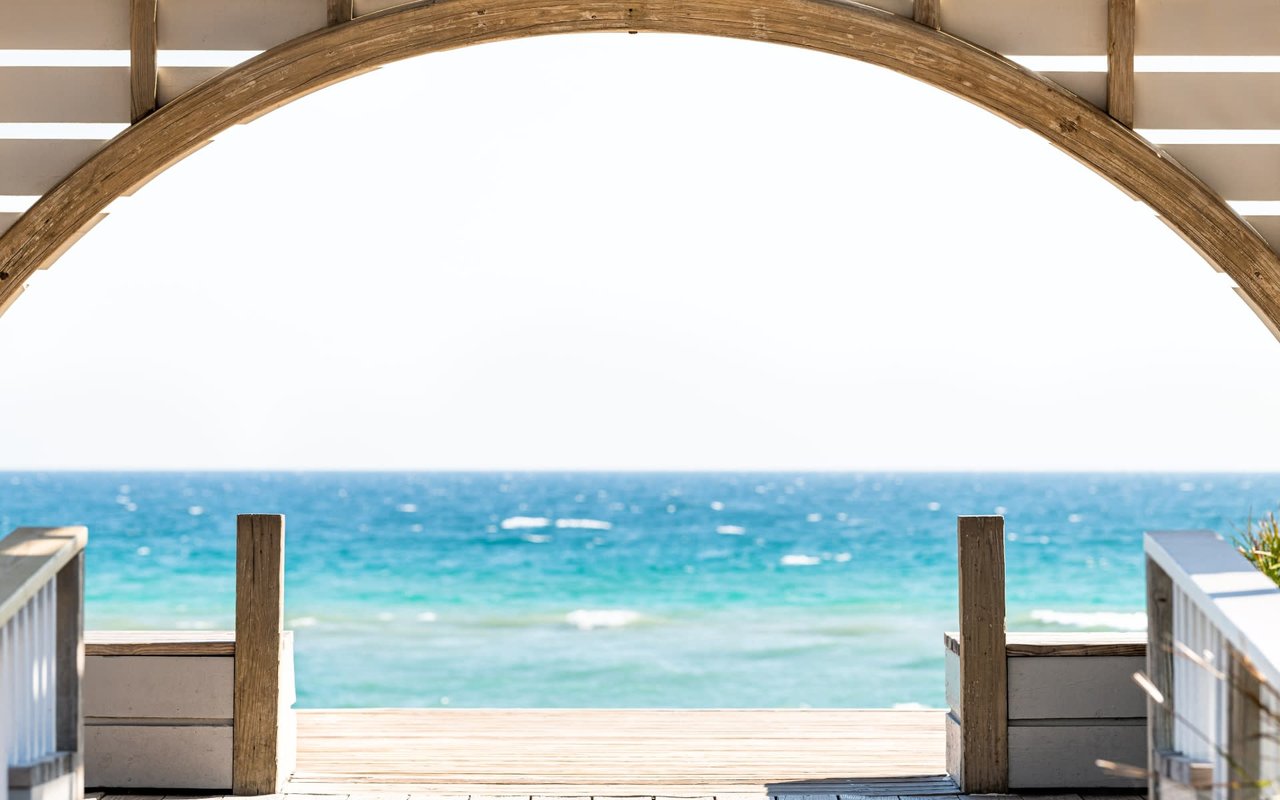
(1241, 602)
(30, 558)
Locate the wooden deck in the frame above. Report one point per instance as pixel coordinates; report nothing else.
(591, 753)
(465, 754)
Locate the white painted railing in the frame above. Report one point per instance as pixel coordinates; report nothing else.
(41, 660)
(1213, 657)
(28, 675)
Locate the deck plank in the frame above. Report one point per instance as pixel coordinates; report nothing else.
(502, 754)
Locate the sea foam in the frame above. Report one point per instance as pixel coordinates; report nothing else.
(1114, 620)
(588, 619)
(800, 560)
(731, 530)
(586, 524)
(516, 523)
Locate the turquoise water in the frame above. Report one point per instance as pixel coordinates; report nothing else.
(622, 590)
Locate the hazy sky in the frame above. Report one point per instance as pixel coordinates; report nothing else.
(634, 252)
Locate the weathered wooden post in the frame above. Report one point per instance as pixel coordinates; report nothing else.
(256, 735)
(69, 668)
(1159, 671)
(1245, 714)
(978, 740)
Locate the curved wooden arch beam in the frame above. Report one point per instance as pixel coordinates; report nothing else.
(315, 60)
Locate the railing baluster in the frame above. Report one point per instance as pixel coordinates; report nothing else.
(40, 582)
(7, 720)
(1226, 650)
(24, 688)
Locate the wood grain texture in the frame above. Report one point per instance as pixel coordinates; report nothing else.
(316, 60)
(609, 752)
(984, 678)
(1245, 729)
(160, 643)
(1023, 644)
(69, 668)
(928, 13)
(30, 558)
(259, 626)
(143, 44)
(1159, 666)
(1120, 43)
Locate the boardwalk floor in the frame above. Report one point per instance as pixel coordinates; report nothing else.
(589, 753)
(415, 754)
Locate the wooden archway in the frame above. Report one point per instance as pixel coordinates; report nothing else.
(316, 60)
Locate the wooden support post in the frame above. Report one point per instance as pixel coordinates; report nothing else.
(1159, 671)
(341, 11)
(1121, 23)
(256, 733)
(1244, 732)
(143, 43)
(983, 745)
(69, 667)
(928, 13)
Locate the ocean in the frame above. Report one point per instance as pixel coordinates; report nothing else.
(622, 589)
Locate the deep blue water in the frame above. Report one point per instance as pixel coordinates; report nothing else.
(617, 589)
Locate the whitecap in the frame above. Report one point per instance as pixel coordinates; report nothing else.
(799, 560)
(588, 619)
(1073, 518)
(304, 622)
(416, 528)
(935, 506)
(536, 538)
(144, 551)
(195, 511)
(1114, 620)
(407, 508)
(514, 523)
(717, 506)
(815, 517)
(587, 524)
(731, 530)
(842, 558)
(428, 616)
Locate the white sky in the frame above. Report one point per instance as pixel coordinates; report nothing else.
(641, 252)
